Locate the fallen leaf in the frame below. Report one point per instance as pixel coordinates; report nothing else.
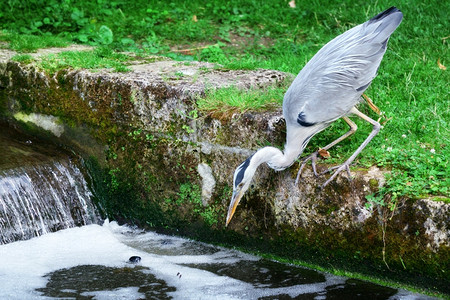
(409, 183)
(292, 4)
(194, 18)
(441, 66)
(324, 153)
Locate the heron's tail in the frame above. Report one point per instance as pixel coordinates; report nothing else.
(380, 27)
(386, 13)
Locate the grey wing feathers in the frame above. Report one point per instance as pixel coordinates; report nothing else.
(332, 82)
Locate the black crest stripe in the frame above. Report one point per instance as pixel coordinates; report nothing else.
(240, 174)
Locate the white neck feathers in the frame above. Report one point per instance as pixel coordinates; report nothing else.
(296, 141)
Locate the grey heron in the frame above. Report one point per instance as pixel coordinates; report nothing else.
(326, 89)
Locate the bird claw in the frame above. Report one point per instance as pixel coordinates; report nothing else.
(313, 158)
(340, 168)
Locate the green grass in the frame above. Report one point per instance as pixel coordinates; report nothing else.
(224, 102)
(22, 58)
(91, 59)
(30, 43)
(411, 89)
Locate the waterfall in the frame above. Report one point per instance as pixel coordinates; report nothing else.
(41, 190)
(35, 200)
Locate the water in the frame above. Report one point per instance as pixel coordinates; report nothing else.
(91, 262)
(41, 190)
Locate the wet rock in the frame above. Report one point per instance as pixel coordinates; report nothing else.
(135, 259)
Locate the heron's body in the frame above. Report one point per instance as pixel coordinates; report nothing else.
(326, 89)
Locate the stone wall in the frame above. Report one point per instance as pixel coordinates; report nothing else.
(157, 161)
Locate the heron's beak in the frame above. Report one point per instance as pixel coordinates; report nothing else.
(237, 195)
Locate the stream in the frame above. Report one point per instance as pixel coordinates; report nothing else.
(55, 246)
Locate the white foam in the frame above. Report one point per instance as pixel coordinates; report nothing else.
(128, 293)
(23, 263)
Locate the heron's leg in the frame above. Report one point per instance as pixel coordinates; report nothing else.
(313, 156)
(352, 130)
(346, 164)
(371, 104)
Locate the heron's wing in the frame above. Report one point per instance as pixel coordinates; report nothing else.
(332, 82)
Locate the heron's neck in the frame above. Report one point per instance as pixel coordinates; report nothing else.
(296, 141)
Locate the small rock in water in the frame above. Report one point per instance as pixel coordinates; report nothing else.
(134, 259)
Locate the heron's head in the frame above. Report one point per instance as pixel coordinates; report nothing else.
(241, 181)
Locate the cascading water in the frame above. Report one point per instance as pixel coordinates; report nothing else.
(35, 200)
(41, 190)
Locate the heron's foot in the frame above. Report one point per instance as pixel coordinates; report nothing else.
(338, 169)
(313, 158)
